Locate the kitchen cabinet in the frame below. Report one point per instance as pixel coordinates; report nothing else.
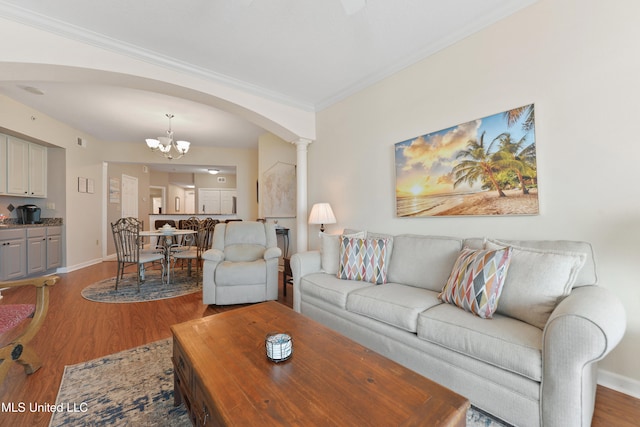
(227, 202)
(216, 202)
(29, 251)
(17, 167)
(54, 247)
(3, 164)
(36, 250)
(37, 170)
(13, 254)
(209, 201)
(26, 165)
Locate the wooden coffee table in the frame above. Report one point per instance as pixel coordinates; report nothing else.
(223, 376)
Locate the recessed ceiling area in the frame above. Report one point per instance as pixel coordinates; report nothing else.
(113, 113)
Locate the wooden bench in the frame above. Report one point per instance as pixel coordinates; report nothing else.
(18, 350)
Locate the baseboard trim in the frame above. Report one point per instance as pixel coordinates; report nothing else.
(619, 383)
(69, 269)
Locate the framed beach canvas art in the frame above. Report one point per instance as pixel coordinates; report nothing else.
(483, 167)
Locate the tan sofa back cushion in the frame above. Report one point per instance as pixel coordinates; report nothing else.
(423, 261)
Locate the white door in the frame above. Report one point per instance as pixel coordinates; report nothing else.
(190, 202)
(129, 196)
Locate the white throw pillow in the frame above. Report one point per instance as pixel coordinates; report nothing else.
(537, 281)
(330, 250)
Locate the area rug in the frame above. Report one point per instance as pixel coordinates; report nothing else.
(135, 387)
(152, 289)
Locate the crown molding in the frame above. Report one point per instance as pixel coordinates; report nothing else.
(45, 23)
(427, 51)
(76, 33)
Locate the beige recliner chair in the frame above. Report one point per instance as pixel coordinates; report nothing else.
(242, 264)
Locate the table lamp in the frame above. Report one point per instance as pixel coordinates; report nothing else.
(322, 214)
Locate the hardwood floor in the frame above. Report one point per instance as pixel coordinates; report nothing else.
(77, 330)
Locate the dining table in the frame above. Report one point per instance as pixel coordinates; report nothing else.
(168, 235)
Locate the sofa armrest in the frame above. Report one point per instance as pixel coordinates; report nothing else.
(215, 255)
(302, 264)
(582, 329)
(273, 252)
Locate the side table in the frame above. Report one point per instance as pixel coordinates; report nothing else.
(284, 232)
(285, 273)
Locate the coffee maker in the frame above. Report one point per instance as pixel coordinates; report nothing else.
(29, 214)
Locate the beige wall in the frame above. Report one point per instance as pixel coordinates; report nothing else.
(114, 210)
(206, 180)
(579, 62)
(272, 150)
(82, 212)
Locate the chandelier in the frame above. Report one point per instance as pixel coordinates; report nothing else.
(164, 145)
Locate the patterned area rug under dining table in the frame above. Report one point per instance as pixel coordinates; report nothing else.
(152, 289)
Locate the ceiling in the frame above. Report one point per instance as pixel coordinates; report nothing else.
(304, 53)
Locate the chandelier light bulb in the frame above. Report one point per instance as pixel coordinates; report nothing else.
(164, 144)
(183, 146)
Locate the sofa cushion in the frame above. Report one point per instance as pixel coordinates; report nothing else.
(329, 288)
(241, 273)
(395, 304)
(476, 281)
(363, 259)
(243, 252)
(330, 250)
(537, 281)
(247, 232)
(586, 275)
(423, 261)
(502, 341)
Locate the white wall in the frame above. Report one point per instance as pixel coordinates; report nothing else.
(579, 62)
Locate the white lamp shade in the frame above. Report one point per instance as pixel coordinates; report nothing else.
(183, 146)
(153, 143)
(321, 213)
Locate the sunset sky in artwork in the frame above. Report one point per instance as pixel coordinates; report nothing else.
(424, 164)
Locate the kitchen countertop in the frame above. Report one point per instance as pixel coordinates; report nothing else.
(10, 223)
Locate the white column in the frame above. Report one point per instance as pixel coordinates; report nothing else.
(302, 230)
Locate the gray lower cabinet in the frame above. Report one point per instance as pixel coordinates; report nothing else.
(29, 251)
(13, 254)
(36, 250)
(54, 247)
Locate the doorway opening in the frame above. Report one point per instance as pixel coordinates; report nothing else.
(158, 196)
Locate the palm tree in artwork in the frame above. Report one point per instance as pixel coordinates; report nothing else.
(514, 115)
(516, 156)
(477, 164)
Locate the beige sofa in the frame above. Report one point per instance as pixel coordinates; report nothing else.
(533, 364)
